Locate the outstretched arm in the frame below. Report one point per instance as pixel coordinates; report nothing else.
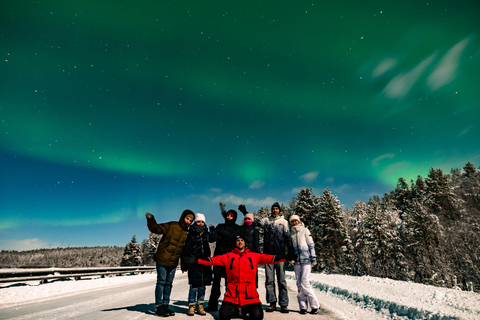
(153, 226)
(214, 261)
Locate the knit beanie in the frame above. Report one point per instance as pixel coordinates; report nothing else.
(250, 215)
(294, 217)
(199, 217)
(276, 205)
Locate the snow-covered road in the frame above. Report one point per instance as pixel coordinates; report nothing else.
(134, 300)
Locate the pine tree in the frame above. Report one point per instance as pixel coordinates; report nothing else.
(305, 205)
(440, 197)
(149, 247)
(379, 244)
(423, 236)
(329, 232)
(131, 254)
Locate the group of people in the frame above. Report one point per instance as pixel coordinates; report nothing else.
(235, 259)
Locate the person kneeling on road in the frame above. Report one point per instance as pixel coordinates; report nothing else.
(241, 267)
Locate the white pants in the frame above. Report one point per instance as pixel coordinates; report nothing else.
(305, 290)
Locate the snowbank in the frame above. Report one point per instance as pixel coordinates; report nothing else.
(399, 299)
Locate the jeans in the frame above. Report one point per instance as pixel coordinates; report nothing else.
(270, 270)
(163, 289)
(196, 294)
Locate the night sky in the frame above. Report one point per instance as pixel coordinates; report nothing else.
(110, 109)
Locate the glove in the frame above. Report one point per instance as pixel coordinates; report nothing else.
(149, 215)
(242, 209)
(222, 207)
(314, 263)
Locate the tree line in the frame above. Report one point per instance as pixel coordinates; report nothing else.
(426, 231)
(71, 257)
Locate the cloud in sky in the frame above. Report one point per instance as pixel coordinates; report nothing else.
(376, 161)
(231, 200)
(447, 68)
(309, 177)
(257, 184)
(401, 85)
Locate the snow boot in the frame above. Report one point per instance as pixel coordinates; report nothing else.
(284, 309)
(191, 309)
(303, 311)
(200, 309)
(162, 311)
(170, 311)
(314, 311)
(272, 307)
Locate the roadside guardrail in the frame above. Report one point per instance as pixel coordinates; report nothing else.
(44, 275)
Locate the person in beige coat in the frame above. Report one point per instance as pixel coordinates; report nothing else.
(167, 255)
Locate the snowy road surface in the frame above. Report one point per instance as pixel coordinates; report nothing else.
(136, 301)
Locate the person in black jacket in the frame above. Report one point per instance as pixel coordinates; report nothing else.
(197, 247)
(248, 231)
(226, 237)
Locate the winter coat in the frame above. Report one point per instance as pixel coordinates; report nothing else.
(251, 236)
(276, 234)
(197, 246)
(303, 244)
(174, 236)
(226, 235)
(241, 274)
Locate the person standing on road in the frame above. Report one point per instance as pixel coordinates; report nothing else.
(197, 246)
(226, 233)
(167, 255)
(241, 291)
(276, 239)
(304, 248)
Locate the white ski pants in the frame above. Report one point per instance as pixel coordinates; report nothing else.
(305, 290)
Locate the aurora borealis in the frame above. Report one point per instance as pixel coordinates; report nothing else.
(110, 109)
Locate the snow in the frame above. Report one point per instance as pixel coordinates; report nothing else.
(349, 297)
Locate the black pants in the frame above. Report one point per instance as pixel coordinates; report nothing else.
(227, 310)
(218, 274)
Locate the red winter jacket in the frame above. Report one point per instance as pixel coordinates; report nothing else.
(241, 270)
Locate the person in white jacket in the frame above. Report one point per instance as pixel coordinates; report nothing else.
(304, 247)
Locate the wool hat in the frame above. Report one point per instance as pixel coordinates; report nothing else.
(294, 217)
(250, 215)
(276, 205)
(232, 212)
(199, 217)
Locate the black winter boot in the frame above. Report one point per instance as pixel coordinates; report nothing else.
(162, 311)
(170, 311)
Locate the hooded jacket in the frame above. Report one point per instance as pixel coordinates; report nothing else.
(197, 245)
(302, 241)
(241, 273)
(174, 236)
(226, 234)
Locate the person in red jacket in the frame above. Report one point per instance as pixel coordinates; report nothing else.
(241, 267)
